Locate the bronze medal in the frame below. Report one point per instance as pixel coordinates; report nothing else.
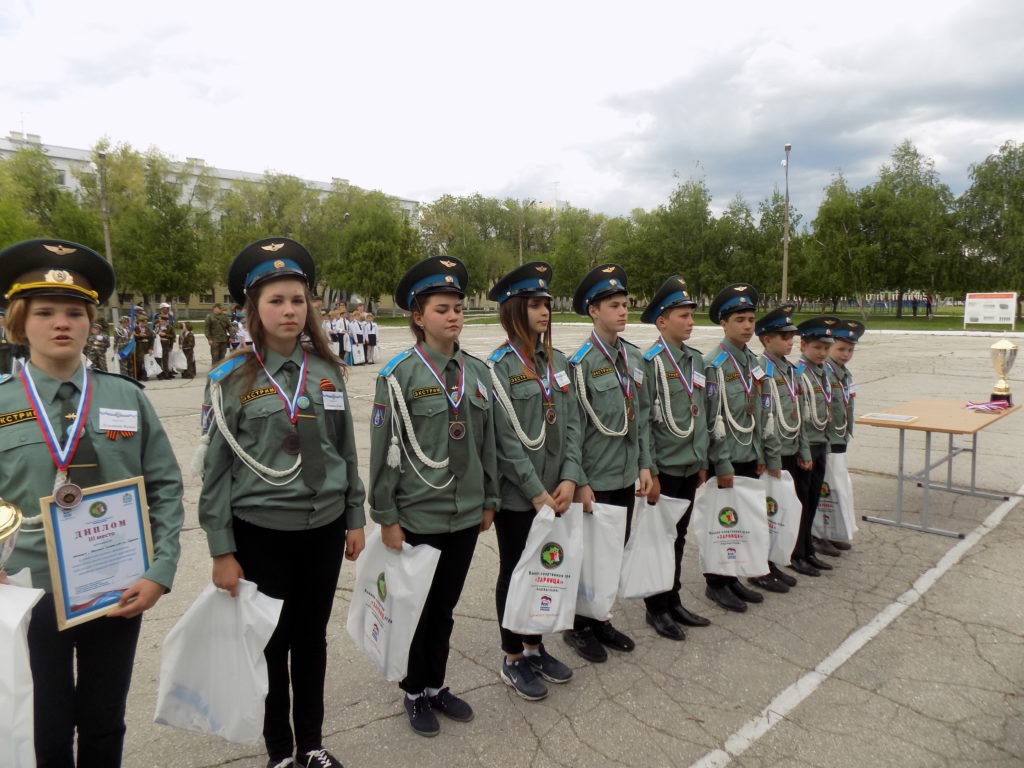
(750, 407)
(629, 413)
(549, 415)
(694, 409)
(457, 430)
(67, 496)
(792, 414)
(291, 443)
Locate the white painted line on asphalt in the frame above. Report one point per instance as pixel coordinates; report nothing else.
(785, 702)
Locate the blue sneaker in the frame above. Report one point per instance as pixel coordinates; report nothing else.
(548, 667)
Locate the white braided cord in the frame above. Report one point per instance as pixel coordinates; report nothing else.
(665, 402)
(724, 406)
(581, 393)
(786, 430)
(532, 444)
(397, 398)
(812, 405)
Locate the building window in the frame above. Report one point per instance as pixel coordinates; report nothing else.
(227, 299)
(206, 298)
(180, 300)
(61, 178)
(125, 298)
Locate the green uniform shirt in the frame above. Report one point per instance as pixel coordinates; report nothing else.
(257, 419)
(525, 472)
(671, 453)
(217, 328)
(785, 406)
(843, 395)
(420, 498)
(748, 410)
(611, 462)
(815, 407)
(27, 470)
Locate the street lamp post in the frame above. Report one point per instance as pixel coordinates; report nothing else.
(785, 231)
(104, 209)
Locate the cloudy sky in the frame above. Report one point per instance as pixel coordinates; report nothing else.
(598, 103)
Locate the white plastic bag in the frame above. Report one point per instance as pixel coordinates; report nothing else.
(731, 528)
(17, 745)
(387, 600)
(213, 674)
(783, 507)
(649, 559)
(835, 518)
(542, 593)
(158, 346)
(178, 361)
(603, 532)
(358, 356)
(152, 366)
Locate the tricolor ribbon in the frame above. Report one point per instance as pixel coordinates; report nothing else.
(748, 387)
(291, 405)
(61, 455)
(545, 386)
(844, 392)
(826, 391)
(460, 389)
(625, 382)
(672, 359)
(790, 385)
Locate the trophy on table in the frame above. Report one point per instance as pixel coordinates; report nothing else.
(10, 522)
(1004, 352)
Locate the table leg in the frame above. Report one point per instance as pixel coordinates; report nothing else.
(927, 478)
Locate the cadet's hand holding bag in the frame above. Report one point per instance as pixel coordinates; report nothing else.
(387, 600)
(731, 527)
(17, 745)
(603, 532)
(649, 559)
(542, 593)
(213, 674)
(783, 508)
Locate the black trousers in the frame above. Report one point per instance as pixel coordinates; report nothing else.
(623, 497)
(678, 488)
(808, 490)
(428, 654)
(512, 528)
(301, 568)
(94, 703)
(743, 469)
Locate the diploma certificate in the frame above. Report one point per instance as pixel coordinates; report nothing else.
(97, 549)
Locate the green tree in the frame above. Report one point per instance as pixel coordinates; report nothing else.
(842, 260)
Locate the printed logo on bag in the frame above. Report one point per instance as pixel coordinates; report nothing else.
(772, 505)
(826, 489)
(382, 586)
(375, 631)
(545, 603)
(730, 553)
(551, 555)
(728, 517)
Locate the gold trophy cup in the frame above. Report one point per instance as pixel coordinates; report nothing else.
(10, 522)
(1004, 352)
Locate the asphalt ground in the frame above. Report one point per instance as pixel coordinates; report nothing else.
(909, 653)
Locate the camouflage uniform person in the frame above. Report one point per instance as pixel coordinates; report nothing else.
(96, 348)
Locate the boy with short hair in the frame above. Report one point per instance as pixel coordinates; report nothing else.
(609, 386)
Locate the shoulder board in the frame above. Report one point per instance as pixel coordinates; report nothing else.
(138, 384)
(800, 369)
(4, 378)
(653, 352)
(581, 352)
(394, 361)
(719, 359)
(222, 370)
(499, 353)
(769, 366)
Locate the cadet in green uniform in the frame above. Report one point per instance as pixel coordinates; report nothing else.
(674, 375)
(433, 473)
(218, 331)
(163, 326)
(54, 430)
(282, 501)
(781, 381)
(537, 432)
(6, 351)
(187, 340)
(844, 390)
(609, 381)
(816, 336)
(737, 412)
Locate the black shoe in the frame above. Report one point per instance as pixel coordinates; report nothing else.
(688, 618)
(821, 565)
(585, 644)
(610, 636)
(548, 667)
(318, 758)
(664, 626)
(770, 583)
(802, 566)
(744, 593)
(821, 546)
(421, 719)
(519, 675)
(725, 597)
(781, 575)
(845, 546)
(451, 706)
(284, 762)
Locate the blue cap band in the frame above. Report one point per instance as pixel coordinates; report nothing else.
(736, 302)
(674, 299)
(825, 333)
(272, 266)
(451, 282)
(775, 323)
(617, 286)
(530, 284)
(846, 334)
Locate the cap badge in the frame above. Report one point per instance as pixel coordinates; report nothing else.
(741, 288)
(541, 268)
(60, 250)
(541, 283)
(272, 247)
(830, 322)
(609, 269)
(278, 264)
(612, 282)
(58, 276)
(449, 279)
(447, 263)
